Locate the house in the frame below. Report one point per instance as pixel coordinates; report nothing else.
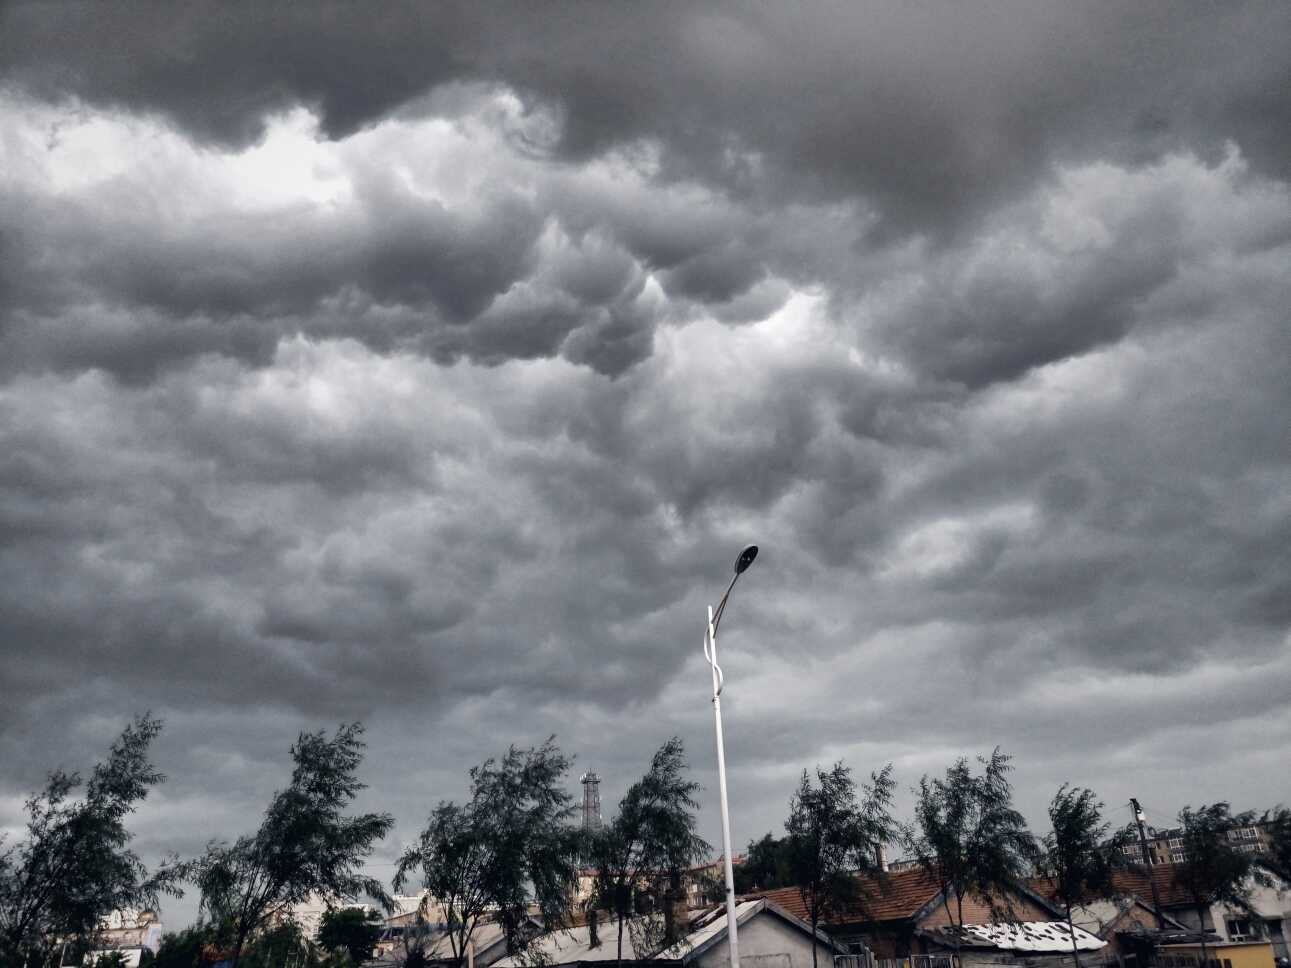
(703, 883)
(126, 932)
(769, 937)
(904, 916)
(1131, 926)
(1135, 929)
(1271, 907)
(308, 914)
(1008, 942)
(1221, 954)
(406, 930)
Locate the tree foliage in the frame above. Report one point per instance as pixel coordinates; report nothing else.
(765, 867)
(969, 838)
(305, 845)
(641, 856)
(74, 866)
(832, 838)
(1277, 827)
(511, 846)
(282, 946)
(1213, 871)
(1080, 852)
(182, 949)
(352, 930)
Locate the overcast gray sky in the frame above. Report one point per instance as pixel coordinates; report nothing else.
(428, 365)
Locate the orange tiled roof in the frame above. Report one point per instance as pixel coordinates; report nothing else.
(1136, 882)
(900, 896)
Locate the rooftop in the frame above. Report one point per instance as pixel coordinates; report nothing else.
(898, 895)
(1037, 936)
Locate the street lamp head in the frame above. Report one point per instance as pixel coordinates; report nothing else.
(745, 559)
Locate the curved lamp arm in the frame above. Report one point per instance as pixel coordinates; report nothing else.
(715, 616)
(710, 653)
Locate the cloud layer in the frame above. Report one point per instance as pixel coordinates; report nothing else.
(427, 368)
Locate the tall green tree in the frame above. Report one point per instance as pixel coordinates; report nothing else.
(646, 849)
(765, 867)
(183, 949)
(832, 838)
(1080, 851)
(1277, 828)
(1213, 871)
(352, 930)
(74, 865)
(283, 946)
(305, 845)
(510, 848)
(970, 839)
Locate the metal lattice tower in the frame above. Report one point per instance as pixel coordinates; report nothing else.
(591, 802)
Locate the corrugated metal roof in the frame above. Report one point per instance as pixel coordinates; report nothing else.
(1039, 936)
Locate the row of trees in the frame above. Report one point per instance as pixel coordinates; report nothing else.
(346, 937)
(512, 849)
(74, 865)
(509, 850)
(972, 843)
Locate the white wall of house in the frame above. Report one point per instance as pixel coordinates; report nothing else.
(768, 942)
(1273, 910)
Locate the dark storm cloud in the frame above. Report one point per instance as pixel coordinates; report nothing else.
(930, 109)
(222, 275)
(1077, 266)
(152, 262)
(427, 365)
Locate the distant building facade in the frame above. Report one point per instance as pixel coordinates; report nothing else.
(1167, 846)
(129, 933)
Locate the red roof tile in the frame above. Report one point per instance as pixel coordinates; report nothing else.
(899, 896)
(1138, 883)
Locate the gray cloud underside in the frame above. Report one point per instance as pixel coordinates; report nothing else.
(427, 367)
(935, 106)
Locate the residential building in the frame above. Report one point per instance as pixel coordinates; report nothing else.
(703, 883)
(904, 919)
(425, 926)
(1166, 846)
(1220, 954)
(308, 914)
(1135, 929)
(128, 932)
(769, 937)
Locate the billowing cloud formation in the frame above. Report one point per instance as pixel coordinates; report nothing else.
(429, 367)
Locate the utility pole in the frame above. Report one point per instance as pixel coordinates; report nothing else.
(1147, 858)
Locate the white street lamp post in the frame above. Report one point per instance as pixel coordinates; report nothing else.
(710, 653)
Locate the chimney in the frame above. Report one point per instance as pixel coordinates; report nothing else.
(880, 857)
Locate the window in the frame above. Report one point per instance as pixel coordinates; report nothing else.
(1178, 856)
(1132, 850)
(1239, 929)
(1176, 841)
